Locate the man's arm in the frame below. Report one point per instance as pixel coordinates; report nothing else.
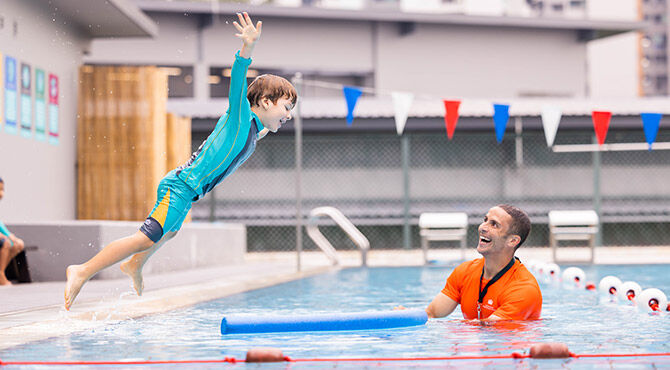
(248, 33)
(441, 306)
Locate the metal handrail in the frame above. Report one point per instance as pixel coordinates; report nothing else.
(352, 232)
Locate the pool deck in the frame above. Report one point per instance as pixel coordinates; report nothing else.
(31, 312)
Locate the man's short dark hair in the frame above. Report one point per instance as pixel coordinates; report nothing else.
(520, 222)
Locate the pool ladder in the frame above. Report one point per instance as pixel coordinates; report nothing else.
(352, 232)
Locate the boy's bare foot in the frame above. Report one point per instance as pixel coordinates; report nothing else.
(5, 282)
(75, 280)
(135, 273)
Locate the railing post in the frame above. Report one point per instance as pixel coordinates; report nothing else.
(406, 229)
(212, 205)
(297, 122)
(597, 193)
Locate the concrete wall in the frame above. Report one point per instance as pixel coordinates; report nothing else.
(298, 44)
(614, 62)
(61, 244)
(614, 66)
(447, 60)
(176, 44)
(463, 61)
(40, 177)
(620, 10)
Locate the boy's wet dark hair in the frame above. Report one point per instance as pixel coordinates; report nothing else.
(520, 222)
(1, 181)
(271, 87)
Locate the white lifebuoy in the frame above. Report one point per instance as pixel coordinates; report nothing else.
(552, 271)
(574, 276)
(652, 299)
(610, 285)
(531, 265)
(630, 290)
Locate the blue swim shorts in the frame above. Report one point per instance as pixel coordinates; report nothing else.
(174, 199)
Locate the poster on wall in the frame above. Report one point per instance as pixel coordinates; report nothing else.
(53, 109)
(10, 94)
(26, 100)
(2, 92)
(40, 106)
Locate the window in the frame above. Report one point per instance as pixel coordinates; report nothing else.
(661, 83)
(180, 81)
(659, 41)
(219, 79)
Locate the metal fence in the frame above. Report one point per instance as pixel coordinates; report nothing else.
(383, 182)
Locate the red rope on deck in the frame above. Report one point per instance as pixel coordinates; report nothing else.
(233, 360)
(621, 355)
(354, 359)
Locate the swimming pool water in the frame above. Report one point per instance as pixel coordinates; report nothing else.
(583, 320)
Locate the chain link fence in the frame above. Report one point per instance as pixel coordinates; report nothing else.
(382, 181)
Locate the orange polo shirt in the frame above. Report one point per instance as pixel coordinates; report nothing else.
(515, 296)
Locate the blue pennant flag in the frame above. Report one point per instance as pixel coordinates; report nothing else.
(351, 94)
(500, 118)
(650, 123)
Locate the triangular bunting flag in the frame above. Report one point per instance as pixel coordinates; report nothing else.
(451, 116)
(650, 123)
(401, 103)
(500, 118)
(551, 117)
(601, 123)
(351, 95)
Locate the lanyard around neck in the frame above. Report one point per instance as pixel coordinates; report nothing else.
(500, 273)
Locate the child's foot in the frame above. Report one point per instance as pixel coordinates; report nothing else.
(75, 280)
(4, 281)
(135, 273)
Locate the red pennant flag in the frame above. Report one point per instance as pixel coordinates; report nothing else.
(451, 116)
(601, 123)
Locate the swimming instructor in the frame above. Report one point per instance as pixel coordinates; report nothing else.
(497, 286)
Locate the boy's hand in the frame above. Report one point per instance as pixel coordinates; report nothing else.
(248, 33)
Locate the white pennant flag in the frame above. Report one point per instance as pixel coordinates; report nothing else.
(551, 117)
(401, 102)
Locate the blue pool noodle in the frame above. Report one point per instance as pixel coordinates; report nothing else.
(238, 324)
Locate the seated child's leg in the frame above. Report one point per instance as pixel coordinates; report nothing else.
(4, 260)
(16, 248)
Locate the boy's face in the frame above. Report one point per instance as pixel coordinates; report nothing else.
(274, 115)
(2, 189)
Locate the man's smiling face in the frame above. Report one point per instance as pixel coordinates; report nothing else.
(494, 232)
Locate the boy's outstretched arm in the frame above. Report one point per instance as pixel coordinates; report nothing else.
(248, 33)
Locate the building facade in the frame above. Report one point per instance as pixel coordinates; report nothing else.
(45, 43)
